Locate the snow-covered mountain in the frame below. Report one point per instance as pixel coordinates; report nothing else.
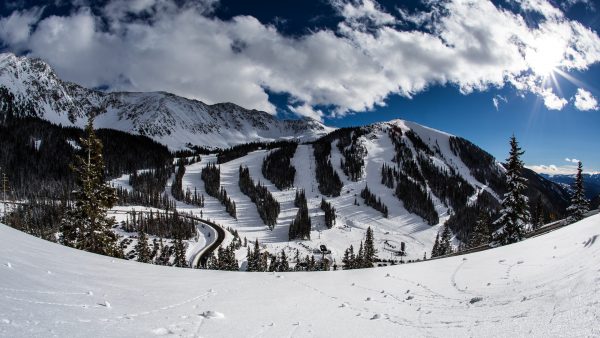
(591, 183)
(458, 176)
(172, 120)
(441, 177)
(547, 286)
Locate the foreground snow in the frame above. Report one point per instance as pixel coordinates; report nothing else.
(545, 286)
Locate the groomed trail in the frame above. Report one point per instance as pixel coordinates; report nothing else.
(545, 286)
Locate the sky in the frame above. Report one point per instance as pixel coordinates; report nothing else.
(483, 70)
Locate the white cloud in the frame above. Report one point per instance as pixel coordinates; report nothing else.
(308, 111)
(572, 160)
(584, 100)
(551, 101)
(16, 28)
(553, 169)
(497, 99)
(473, 45)
(363, 9)
(557, 170)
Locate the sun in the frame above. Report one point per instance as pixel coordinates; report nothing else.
(546, 56)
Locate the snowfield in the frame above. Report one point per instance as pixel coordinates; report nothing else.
(545, 286)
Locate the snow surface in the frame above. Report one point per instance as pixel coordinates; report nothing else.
(541, 287)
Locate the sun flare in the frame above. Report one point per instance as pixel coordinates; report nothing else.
(545, 57)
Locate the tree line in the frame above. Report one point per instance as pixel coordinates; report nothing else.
(301, 225)
(374, 201)
(211, 175)
(365, 257)
(416, 200)
(329, 181)
(277, 166)
(266, 205)
(165, 224)
(329, 213)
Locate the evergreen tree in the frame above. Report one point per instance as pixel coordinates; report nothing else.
(86, 226)
(444, 247)
(179, 253)
(370, 253)
(274, 264)
(537, 213)
(301, 225)
(142, 248)
(435, 251)
(283, 262)
(514, 214)
(329, 213)
(360, 258)
(579, 204)
(481, 232)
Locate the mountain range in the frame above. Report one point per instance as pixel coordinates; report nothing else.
(167, 118)
(403, 179)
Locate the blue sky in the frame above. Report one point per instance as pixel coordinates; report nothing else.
(482, 71)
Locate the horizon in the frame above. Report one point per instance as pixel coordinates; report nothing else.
(465, 77)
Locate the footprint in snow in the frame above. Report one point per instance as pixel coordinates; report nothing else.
(376, 316)
(8, 265)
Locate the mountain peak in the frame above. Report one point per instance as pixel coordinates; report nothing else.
(170, 119)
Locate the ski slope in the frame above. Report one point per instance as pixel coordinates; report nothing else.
(352, 220)
(541, 287)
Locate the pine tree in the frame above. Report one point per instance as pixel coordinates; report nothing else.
(435, 251)
(370, 253)
(537, 214)
(142, 248)
(360, 258)
(86, 226)
(481, 232)
(445, 247)
(179, 253)
(514, 215)
(579, 204)
(283, 263)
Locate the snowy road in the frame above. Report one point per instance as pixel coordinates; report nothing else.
(201, 252)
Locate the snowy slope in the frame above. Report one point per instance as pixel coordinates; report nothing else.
(172, 120)
(545, 286)
(352, 220)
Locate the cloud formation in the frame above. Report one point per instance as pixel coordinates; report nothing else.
(497, 99)
(371, 55)
(584, 100)
(553, 169)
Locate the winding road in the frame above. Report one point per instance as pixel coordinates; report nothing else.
(198, 259)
